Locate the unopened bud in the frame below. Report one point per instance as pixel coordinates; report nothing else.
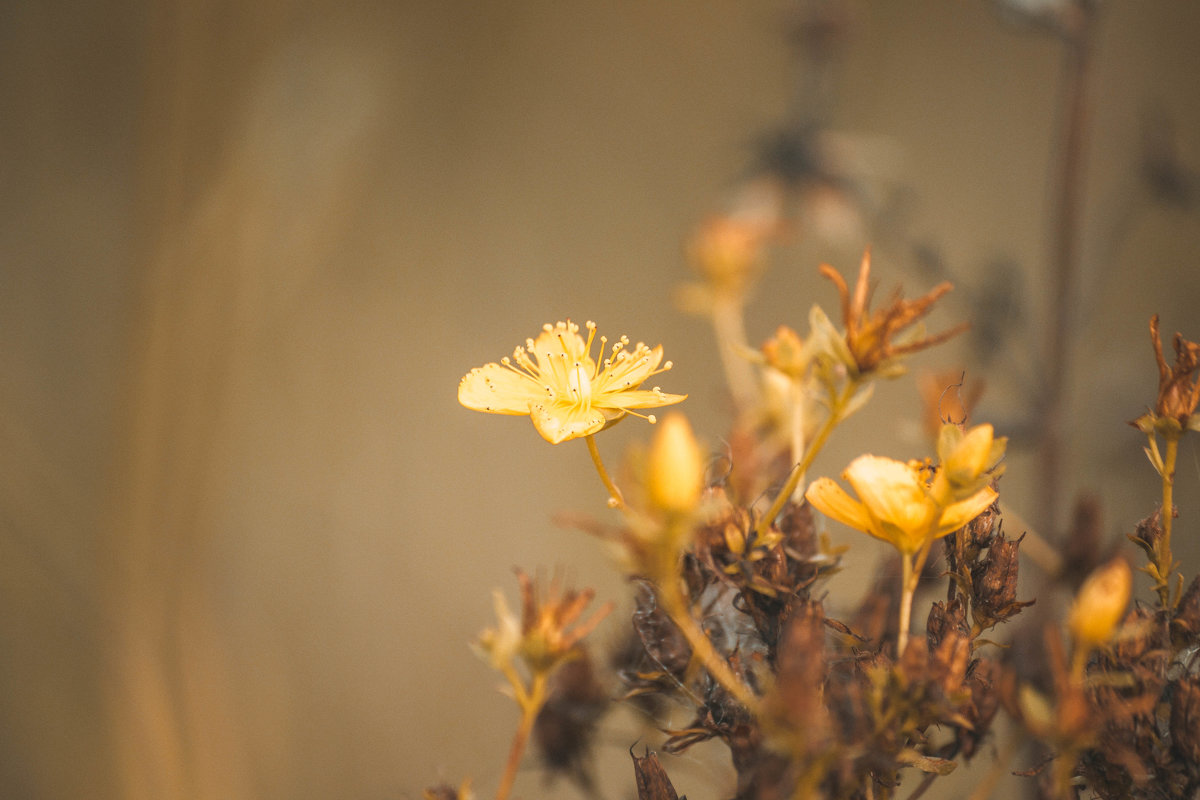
(1101, 602)
(675, 469)
(969, 460)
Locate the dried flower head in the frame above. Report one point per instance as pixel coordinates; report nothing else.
(555, 381)
(544, 637)
(1100, 603)
(1178, 390)
(872, 338)
(445, 791)
(895, 503)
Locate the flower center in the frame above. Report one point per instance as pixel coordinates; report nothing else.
(581, 384)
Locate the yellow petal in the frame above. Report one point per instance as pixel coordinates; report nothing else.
(831, 500)
(640, 398)
(892, 492)
(558, 422)
(559, 340)
(629, 369)
(497, 389)
(959, 514)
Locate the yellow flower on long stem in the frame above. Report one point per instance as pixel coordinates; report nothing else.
(565, 391)
(894, 503)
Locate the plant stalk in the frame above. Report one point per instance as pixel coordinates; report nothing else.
(616, 499)
(531, 703)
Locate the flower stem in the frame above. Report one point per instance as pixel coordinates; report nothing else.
(616, 499)
(531, 703)
(673, 602)
(908, 587)
(810, 452)
(911, 567)
(731, 340)
(1165, 559)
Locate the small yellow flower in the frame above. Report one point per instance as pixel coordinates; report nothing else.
(556, 382)
(675, 467)
(786, 352)
(1101, 603)
(894, 503)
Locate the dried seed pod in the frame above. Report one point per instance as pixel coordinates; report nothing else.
(1185, 720)
(664, 642)
(652, 780)
(566, 726)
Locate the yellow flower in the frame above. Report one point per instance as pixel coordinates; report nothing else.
(566, 393)
(1101, 603)
(894, 503)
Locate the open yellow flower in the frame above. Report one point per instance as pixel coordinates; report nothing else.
(567, 393)
(894, 503)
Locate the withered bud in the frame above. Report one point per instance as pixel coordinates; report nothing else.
(982, 681)
(946, 619)
(1187, 613)
(664, 642)
(1100, 603)
(799, 532)
(1082, 551)
(914, 661)
(445, 791)
(1178, 394)
(1185, 720)
(566, 726)
(948, 662)
(652, 780)
(1148, 532)
(994, 583)
(795, 703)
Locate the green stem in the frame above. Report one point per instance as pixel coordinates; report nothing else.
(616, 499)
(908, 587)
(1165, 559)
(531, 703)
(911, 567)
(810, 452)
(673, 602)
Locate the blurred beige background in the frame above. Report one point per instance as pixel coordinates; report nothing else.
(247, 251)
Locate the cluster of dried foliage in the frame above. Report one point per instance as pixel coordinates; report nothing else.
(732, 620)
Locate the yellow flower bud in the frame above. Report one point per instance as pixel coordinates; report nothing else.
(969, 461)
(675, 468)
(1100, 603)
